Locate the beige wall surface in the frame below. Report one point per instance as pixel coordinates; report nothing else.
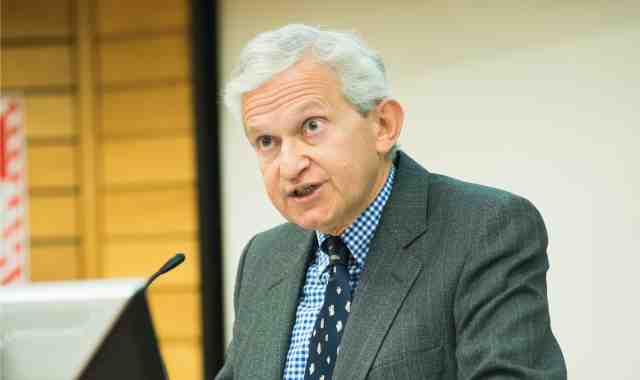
(539, 98)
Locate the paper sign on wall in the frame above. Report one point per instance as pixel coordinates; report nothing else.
(13, 193)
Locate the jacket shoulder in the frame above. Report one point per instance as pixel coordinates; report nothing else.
(471, 198)
(453, 194)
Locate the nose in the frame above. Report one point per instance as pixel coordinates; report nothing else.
(293, 161)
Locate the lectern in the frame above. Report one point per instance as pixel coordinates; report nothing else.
(96, 330)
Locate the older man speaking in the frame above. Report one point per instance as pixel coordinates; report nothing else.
(384, 270)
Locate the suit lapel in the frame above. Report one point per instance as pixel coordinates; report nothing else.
(272, 327)
(390, 271)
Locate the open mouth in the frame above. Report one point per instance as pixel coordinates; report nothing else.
(305, 191)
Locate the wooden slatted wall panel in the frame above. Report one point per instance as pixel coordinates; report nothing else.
(135, 56)
(158, 110)
(23, 68)
(34, 32)
(24, 19)
(147, 173)
(50, 117)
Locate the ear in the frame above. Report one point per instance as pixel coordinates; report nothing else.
(390, 118)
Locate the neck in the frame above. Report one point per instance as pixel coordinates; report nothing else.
(382, 176)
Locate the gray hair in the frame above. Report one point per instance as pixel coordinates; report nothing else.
(359, 68)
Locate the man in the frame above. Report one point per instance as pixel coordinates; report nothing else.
(384, 271)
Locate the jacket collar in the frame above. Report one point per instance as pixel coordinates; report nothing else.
(391, 269)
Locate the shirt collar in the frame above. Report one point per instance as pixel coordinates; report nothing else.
(359, 234)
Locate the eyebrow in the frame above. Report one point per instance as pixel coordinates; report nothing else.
(305, 107)
(251, 131)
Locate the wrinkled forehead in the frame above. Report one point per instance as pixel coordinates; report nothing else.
(306, 81)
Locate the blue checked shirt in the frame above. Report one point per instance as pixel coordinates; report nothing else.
(357, 238)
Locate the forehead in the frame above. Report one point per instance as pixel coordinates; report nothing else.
(303, 85)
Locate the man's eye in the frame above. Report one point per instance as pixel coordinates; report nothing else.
(265, 142)
(312, 126)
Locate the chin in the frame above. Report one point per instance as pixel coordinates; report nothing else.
(309, 222)
(306, 224)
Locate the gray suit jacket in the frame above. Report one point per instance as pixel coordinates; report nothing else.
(454, 288)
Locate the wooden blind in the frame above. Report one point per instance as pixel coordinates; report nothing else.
(111, 163)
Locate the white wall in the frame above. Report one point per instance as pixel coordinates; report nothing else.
(542, 99)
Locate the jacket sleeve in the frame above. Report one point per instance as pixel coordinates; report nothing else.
(226, 373)
(501, 309)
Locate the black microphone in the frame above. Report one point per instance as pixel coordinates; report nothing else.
(170, 264)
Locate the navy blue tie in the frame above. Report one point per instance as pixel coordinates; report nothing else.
(324, 345)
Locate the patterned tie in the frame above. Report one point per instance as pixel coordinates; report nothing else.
(324, 344)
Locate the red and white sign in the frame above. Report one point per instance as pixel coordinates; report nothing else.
(14, 237)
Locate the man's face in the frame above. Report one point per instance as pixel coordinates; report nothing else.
(319, 157)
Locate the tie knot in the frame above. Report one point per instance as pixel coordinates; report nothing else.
(336, 249)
